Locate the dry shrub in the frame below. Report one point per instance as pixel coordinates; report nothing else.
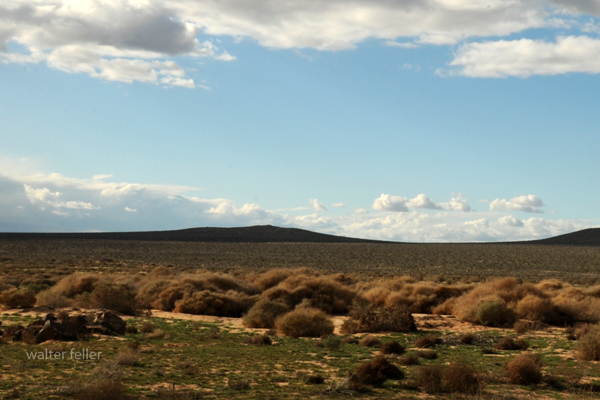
(229, 304)
(467, 338)
(493, 311)
(376, 372)
(392, 347)
(370, 341)
(427, 354)
(332, 342)
(365, 316)
(446, 308)
(460, 378)
(264, 313)
(148, 293)
(104, 383)
(13, 298)
(418, 297)
(128, 357)
(427, 341)
(409, 359)
(588, 345)
(304, 322)
(258, 340)
(536, 309)
(429, 378)
(522, 326)
(350, 340)
(323, 293)
(272, 278)
(576, 305)
(524, 369)
(76, 284)
(511, 344)
(147, 327)
(116, 297)
(51, 298)
(203, 293)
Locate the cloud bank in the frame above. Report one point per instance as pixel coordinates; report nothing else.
(137, 40)
(55, 203)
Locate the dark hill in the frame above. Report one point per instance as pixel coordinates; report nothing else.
(263, 233)
(586, 237)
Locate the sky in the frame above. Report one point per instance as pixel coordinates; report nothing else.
(416, 121)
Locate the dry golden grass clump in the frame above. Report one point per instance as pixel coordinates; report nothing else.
(13, 298)
(229, 304)
(588, 345)
(429, 378)
(524, 369)
(460, 378)
(511, 344)
(418, 296)
(264, 313)
(376, 372)
(427, 341)
(204, 293)
(370, 341)
(258, 340)
(392, 347)
(365, 316)
(321, 292)
(304, 322)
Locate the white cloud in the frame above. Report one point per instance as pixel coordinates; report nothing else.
(317, 205)
(422, 201)
(510, 220)
(403, 45)
(529, 203)
(526, 57)
(458, 203)
(387, 202)
(338, 205)
(44, 197)
(116, 40)
(53, 202)
(133, 40)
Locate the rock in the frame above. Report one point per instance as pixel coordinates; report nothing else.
(13, 332)
(76, 323)
(53, 330)
(112, 322)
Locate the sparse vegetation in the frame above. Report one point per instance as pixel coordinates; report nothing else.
(304, 322)
(195, 355)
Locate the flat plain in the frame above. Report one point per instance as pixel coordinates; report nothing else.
(170, 354)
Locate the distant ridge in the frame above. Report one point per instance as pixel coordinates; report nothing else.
(253, 234)
(586, 237)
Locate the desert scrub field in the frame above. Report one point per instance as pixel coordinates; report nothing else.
(208, 357)
(527, 261)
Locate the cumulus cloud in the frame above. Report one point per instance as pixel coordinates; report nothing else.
(338, 205)
(136, 40)
(53, 202)
(525, 57)
(120, 40)
(317, 205)
(510, 220)
(529, 203)
(387, 202)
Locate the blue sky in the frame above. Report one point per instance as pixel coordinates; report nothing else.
(438, 120)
